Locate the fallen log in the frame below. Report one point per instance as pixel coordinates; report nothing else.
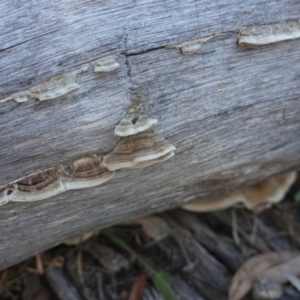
(70, 72)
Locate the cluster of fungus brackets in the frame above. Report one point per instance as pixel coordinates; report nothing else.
(255, 197)
(63, 84)
(84, 172)
(139, 147)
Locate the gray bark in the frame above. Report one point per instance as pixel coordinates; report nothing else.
(232, 112)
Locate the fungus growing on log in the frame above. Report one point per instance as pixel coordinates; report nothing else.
(50, 89)
(85, 172)
(56, 86)
(105, 64)
(136, 149)
(81, 173)
(270, 33)
(192, 46)
(130, 126)
(256, 197)
(37, 186)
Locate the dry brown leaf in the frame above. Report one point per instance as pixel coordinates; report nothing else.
(256, 267)
(291, 266)
(155, 227)
(138, 287)
(80, 238)
(39, 269)
(56, 262)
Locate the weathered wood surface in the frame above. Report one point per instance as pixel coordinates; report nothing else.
(233, 113)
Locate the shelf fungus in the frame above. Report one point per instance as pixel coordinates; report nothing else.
(130, 126)
(192, 46)
(81, 173)
(50, 89)
(105, 64)
(37, 186)
(270, 33)
(138, 151)
(256, 197)
(148, 163)
(85, 172)
(57, 86)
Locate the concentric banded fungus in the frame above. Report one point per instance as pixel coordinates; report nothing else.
(129, 126)
(37, 186)
(85, 172)
(256, 197)
(139, 148)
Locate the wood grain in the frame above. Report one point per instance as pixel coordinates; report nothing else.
(232, 112)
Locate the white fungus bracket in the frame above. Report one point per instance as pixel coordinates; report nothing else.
(50, 89)
(193, 46)
(270, 33)
(130, 126)
(105, 64)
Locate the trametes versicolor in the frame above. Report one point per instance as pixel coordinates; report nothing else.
(140, 146)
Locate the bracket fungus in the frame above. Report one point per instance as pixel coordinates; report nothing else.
(141, 146)
(37, 186)
(256, 197)
(81, 173)
(192, 46)
(148, 163)
(57, 86)
(49, 89)
(139, 150)
(269, 33)
(105, 64)
(85, 172)
(130, 126)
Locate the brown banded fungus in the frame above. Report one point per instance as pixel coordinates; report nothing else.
(256, 197)
(37, 186)
(85, 172)
(81, 173)
(136, 149)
